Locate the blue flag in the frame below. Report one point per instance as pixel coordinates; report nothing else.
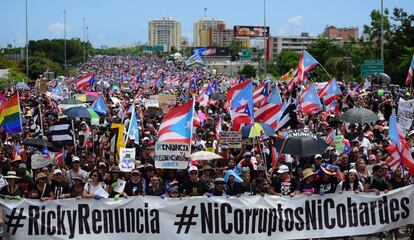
(133, 131)
(99, 106)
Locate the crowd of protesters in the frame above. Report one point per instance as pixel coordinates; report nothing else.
(90, 167)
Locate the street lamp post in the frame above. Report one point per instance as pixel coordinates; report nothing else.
(27, 46)
(264, 38)
(84, 41)
(64, 34)
(382, 31)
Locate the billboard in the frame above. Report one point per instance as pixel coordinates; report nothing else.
(212, 51)
(251, 31)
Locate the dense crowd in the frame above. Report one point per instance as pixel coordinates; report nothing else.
(90, 167)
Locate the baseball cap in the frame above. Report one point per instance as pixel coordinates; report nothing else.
(219, 179)
(57, 171)
(192, 168)
(318, 156)
(145, 139)
(283, 169)
(75, 159)
(247, 154)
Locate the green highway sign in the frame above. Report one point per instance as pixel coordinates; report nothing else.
(371, 66)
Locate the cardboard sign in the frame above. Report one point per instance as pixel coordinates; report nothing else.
(38, 161)
(152, 101)
(339, 145)
(165, 100)
(405, 115)
(120, 186)
(172, 155)
(231, 138)
(126, 159)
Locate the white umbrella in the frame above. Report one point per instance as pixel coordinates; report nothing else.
(203, 155)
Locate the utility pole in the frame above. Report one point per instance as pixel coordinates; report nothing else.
(87, 38)
(205, 12)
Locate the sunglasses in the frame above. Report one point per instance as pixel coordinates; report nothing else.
(194, 173)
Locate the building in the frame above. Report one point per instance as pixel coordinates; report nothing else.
(165, 31)
(296, 43)
(203, 31)
(342, 34)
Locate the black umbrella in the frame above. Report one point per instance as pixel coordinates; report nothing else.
(39, 143)
(359, 115)
(219, 96)
(301, 142)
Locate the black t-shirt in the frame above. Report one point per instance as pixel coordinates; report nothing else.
(43, 193)
(6, 191)
(134, 189)
(157, 192)
(396, 184)
(59, 188)
(284, 188)
(193, 188)
(327, 187)
(242, 189)
(377, 183)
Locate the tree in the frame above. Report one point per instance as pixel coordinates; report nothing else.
(248, 71)
(235, 48)
(286, 60)
(38, 64)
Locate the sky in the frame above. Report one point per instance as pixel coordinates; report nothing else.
(125, 22)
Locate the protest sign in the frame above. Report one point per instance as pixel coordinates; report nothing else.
(339, 144)
(245, 217)
(152, 101)
(120, 186)
(405, 115)
(171, 155)
(126, 159)
(38, 161)
(231, 138)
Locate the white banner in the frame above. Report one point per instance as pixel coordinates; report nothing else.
(38, 161)
(171, 155)
(248, 217)
(405, 114)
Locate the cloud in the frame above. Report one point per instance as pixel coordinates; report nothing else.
(58, 28)
(292, 24)
(296, 20)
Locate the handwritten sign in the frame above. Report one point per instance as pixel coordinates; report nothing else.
(231, 138)
(171, 155)
(126, 159)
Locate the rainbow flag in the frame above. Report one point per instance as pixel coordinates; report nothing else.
(10, 117)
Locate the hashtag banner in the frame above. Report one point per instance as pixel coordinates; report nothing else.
(245, 217)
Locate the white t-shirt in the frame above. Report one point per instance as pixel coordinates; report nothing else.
(94, 189)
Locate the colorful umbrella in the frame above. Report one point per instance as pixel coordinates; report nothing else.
(85, 97)
(256, 129)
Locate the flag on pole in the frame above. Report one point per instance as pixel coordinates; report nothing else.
(306, 63)
(45, 152)
(99, 106)
(85, 82)
(133, 130)
(10, 118)
(195, 58)
(410, 72)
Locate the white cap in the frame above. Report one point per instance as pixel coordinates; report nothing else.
(57, 171)
(283, 169)
(411, 133)
(75, 159)
(192, 168)
(318, 156)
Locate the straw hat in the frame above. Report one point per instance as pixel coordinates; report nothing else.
(40, 175)
(207, 167)
(11, 175)
(308, 172)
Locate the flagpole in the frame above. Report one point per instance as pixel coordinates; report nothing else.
(129, 127)
(74, 136)
(41, 121)
(325, 71)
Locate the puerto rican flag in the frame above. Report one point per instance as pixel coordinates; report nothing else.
(270, 113)
(309, 100)
(306, 63)
(394, 161)
(397, 138)
(260, 94)
(410, 72)
(240, 116)
(60, 156)
(176, 126)
(240, 97)
(330, 92)
(85, 82)
(329, 139)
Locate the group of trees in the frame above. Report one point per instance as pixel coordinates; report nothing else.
(343, 61)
